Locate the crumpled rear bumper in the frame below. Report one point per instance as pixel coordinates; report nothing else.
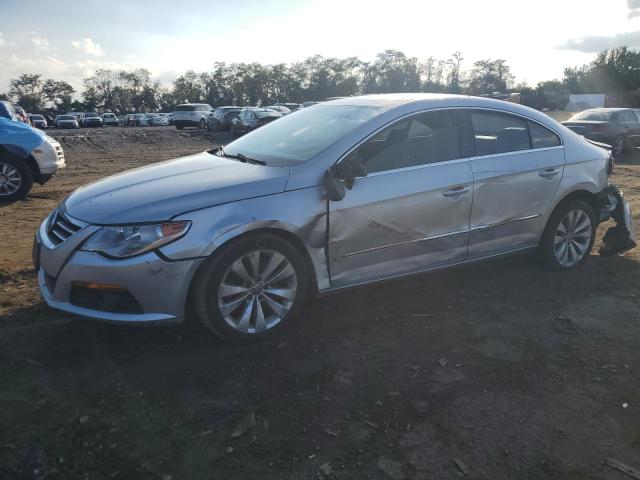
(621, 237)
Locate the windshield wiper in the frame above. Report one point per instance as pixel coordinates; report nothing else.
(243, 158)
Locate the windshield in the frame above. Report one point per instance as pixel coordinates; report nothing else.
(300, 136)
(91, 115)
(185, 108)
(67, 117)
(37, 117)
(603, 115)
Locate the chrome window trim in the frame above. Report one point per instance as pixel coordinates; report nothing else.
(419, 112)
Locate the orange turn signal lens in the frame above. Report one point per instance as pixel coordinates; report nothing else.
(173, 228)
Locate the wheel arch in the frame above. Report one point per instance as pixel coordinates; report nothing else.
(590, 197)
(15, 152)
(283, 233)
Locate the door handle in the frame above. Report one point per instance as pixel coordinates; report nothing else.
(456, 191)
(549, 172)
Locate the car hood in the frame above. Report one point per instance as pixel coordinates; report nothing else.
(161, 191)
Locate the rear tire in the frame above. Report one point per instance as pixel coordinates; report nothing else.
(16, 179)
(620, 145)
(203, 124)
(262, 300)
(179, 127)
(569, 235)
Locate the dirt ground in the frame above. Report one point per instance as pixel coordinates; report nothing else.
(448, 375)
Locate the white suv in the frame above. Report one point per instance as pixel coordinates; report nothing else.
(27, 155)
(109, 119)
(191, 115)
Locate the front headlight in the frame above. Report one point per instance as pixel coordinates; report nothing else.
(127, 241)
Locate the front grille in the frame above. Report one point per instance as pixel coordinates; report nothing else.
(60, 228)
(117, 300)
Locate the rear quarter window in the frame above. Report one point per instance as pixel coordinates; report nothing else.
(542, 137)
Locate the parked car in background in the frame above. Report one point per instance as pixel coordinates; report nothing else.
(27, 155)
(309, 104)
(291, 106)
(92, 119)
(618, 127)
(251, 118)
(191, 115)
(147, 120)
(38, 121)
(383, 186)
(280, 109)
(122, 120)
(132, 119)
(221, 118)
(79, 116)
(163, 119)
(109, 119)
(7, 111)
(170, 117)
(22, 115)
(66, 121)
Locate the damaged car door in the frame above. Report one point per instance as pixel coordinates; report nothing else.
(411, 210)
(517, 168)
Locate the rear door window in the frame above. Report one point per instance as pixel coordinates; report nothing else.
(496, 132)
(185, 108)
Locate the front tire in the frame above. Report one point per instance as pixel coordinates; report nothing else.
(16, 179)
(251, 289)
(568, 238)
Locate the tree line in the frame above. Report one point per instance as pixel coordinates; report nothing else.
(314, 78)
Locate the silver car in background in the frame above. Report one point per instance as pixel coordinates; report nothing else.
(350, 192)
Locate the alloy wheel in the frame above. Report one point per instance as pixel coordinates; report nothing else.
(10, 179)
(257, 291)
(572, 238)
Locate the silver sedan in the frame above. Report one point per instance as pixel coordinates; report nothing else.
(352, 191)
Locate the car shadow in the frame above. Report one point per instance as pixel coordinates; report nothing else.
(514, 284)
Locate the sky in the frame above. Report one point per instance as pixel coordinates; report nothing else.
(69, 39)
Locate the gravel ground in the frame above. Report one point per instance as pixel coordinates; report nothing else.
(449, 375)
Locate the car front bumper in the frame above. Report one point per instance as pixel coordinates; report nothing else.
(159, 287)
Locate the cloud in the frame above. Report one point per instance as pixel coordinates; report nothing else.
(89, 46)
(595, 43)
(634, 8)
(2, 42)
(39, 42)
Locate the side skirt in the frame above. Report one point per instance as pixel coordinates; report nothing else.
(429, 270)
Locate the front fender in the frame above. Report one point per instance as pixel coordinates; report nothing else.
(301, 213)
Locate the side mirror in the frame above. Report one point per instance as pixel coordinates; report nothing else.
(334, 186)
(341, 177)
(349, 169)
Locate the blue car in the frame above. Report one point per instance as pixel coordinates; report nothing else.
(7, 111)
